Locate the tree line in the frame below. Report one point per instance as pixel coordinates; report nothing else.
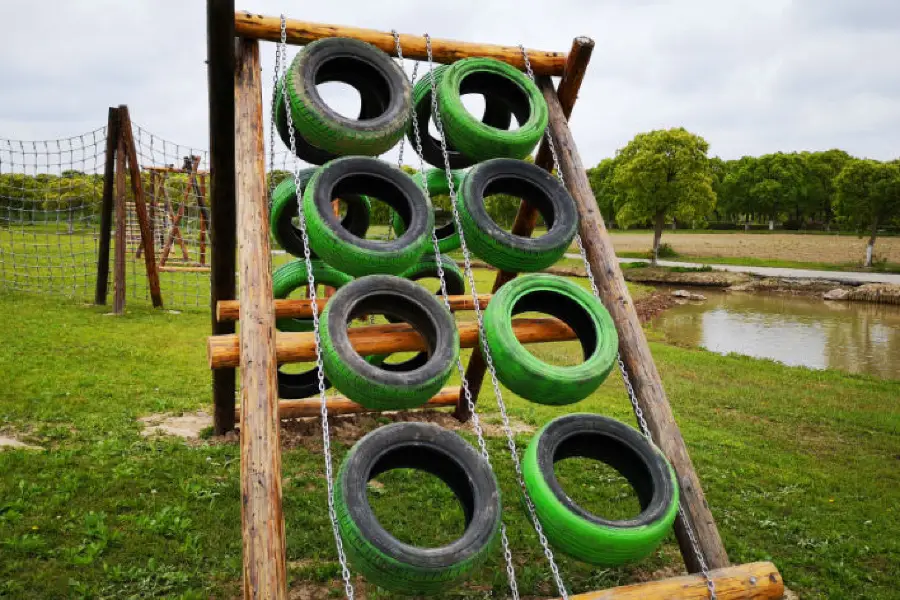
(666, 176)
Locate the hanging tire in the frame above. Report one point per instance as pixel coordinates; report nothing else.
(340, 59)
(379, 556)
(500, 248)
(524, 373)
(369, 384)
(497, 114)
(574, 530)
(355, 255)
(481, 141)
(425, 269)
(286, 279)
(372, 104)
(284, 210)
(437, 185)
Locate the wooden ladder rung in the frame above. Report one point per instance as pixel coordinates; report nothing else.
(229, 310)
(223, 351)
(339, 405)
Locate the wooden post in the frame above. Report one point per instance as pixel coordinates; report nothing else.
(576, 66)
(119, 262)
(201, 202)
(106, 209)
(632, 342)
(263, 522)
(140, 207)
(222, 218)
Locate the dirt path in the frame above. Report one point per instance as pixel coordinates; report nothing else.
(783, 246)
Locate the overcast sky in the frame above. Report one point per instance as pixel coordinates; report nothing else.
(751, 77)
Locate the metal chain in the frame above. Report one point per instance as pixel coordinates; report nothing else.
(320, 371)
(632, 396)
(467, 393)
(279, 52)
(510, 437)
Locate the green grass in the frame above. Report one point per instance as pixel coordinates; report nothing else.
(799, 467)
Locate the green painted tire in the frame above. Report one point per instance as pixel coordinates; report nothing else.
(284, 209)
(524, 373)
(292, 276)
(358, 256)
(379, 556)
(327, 129)
(365, 381)
(436, 182)
(500, 248)
(579, 533)
(479, 140)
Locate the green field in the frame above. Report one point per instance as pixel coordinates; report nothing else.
(800, 467)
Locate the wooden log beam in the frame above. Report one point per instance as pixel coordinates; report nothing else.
(229, 310)
(140, 208)
(265, 570)
(338, 405)
(632, 343)
(250, 25)
(751, 581)
(106, 210)
(121, 224)
(526, 217)
(222, 219)
(224, 351)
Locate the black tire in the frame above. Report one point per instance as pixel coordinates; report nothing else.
(373, 551)
(369, 384)
(372, 104)
(337, 59)
(574, 530)
(497, 114)
(427, 268)
(500, 248)
(287, 278)
(284, 209)
(437, 184)
(358, 256)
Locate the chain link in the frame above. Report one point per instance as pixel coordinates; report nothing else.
(467, 393)
(320, 371)
(510, 436)
(632, 396)
(279, 51)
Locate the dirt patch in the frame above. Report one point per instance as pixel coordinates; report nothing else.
(837, 249)
(721, 279)
(11, 442)
(650, 306)
(187, 426)
(879, 293)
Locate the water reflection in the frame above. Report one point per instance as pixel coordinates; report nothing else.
(852, 336)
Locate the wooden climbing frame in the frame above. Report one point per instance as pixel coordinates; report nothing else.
(239, 197)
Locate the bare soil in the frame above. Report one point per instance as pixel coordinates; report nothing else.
(776, 246)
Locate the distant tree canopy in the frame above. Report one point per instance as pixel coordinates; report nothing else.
(868, 197)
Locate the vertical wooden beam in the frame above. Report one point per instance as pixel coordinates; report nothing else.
(263, 522)
(201, 202)
(106, 209)
(632, 343)
(140, 207)
(576, 65)
(222, 218)
(119, 262)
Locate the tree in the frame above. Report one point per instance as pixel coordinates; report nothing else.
(769, 186)
(822, 168)
(601, 180)
(868, 197)
(660, 174)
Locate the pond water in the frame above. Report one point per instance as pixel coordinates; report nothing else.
(856, 337)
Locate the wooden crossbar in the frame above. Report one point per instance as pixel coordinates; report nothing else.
(262, 27)
(339, 405)
(223, 351)
(229, 310)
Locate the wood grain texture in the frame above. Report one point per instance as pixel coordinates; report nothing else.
(229, 310)
(224, 351)
(140, 207)
(262, 518)
(526, 217)
(222, 217)
(119, 259)
(339, 405)
(268, 28)
(751, 581)
(632, 342)
(106, 210)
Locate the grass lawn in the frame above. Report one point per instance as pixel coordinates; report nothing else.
(800, 467)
